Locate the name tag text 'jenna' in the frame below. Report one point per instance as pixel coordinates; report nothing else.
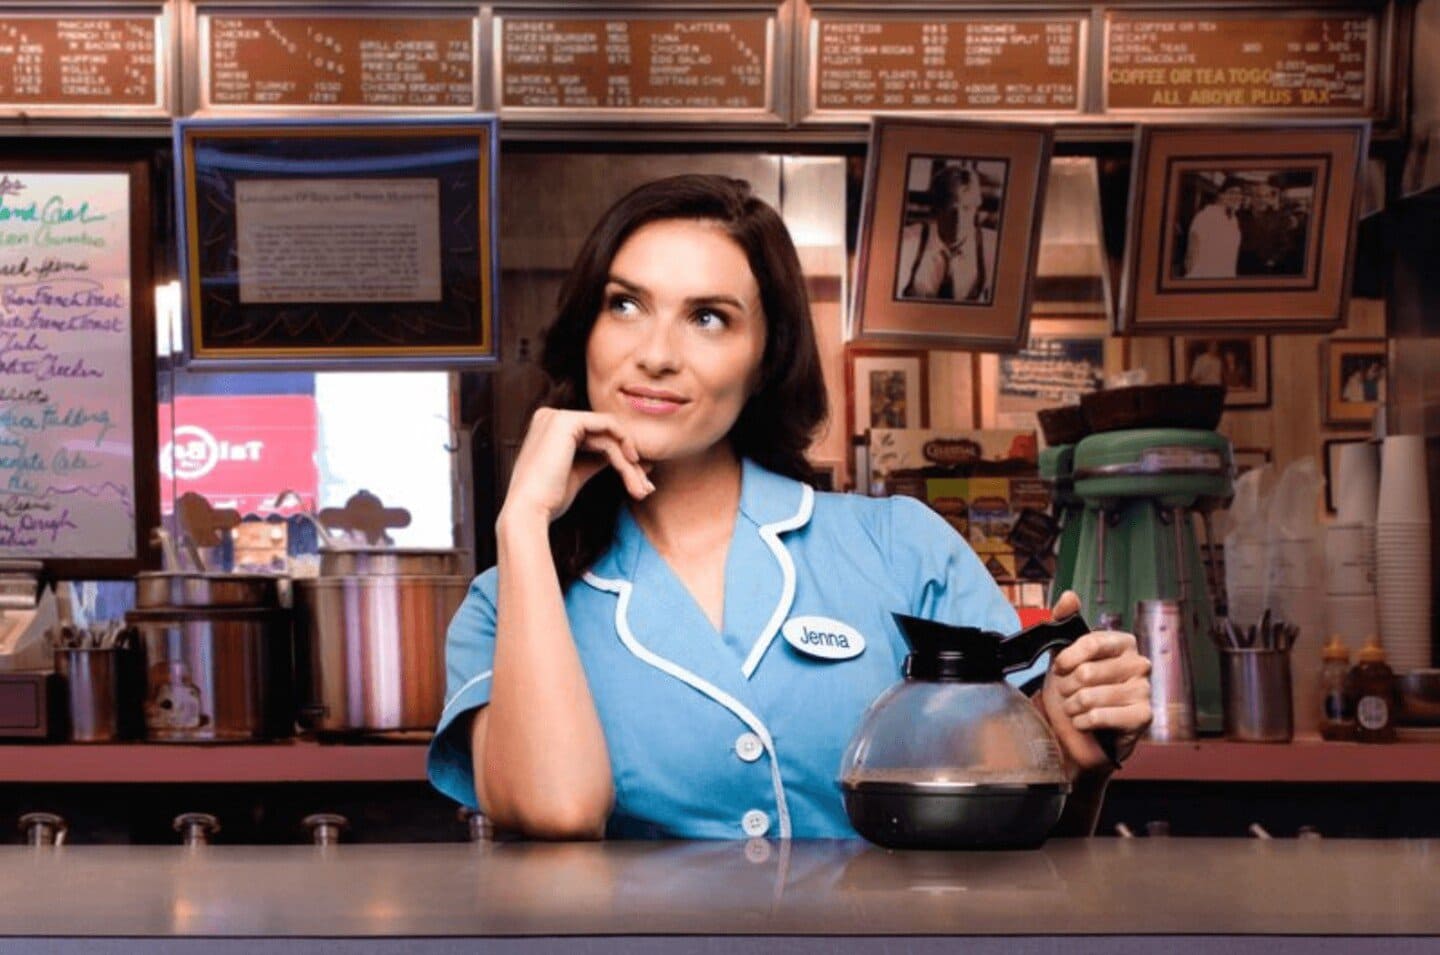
(823, 637)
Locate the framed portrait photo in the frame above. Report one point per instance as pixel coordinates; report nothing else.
(336, 243)
(1352, 376)
(1242, 228)
(886, 388)
(949, 233)
(1239, 362)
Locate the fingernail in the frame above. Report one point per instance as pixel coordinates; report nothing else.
(649, 486)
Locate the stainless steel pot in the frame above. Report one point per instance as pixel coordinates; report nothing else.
(219, 657)
(216, 674)
(348, 561)
(370, 650)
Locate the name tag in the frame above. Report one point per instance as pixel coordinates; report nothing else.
(823, 637)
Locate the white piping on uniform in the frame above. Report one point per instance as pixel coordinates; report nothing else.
(770, 534)
(623, 589)
(461, 692)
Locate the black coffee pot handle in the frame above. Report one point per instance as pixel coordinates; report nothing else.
(1020, 650)
(1024, 648)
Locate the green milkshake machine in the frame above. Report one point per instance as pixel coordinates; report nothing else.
(1151, 465)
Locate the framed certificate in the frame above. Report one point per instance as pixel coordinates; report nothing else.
(336, 243)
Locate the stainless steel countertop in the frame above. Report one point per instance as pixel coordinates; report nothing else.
(1101, 886)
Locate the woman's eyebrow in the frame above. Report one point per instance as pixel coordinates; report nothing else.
(693, 301)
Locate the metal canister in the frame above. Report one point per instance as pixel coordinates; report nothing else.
(1160, 631)
(219, 658)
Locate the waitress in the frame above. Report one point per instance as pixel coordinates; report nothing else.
(680, 635)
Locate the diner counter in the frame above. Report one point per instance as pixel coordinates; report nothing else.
(1197, 893)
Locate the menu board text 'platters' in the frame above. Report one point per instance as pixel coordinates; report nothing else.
(634, 63)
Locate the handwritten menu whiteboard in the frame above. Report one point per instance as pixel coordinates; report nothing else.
(67, 419)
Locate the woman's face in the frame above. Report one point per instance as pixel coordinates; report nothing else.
(675, 351)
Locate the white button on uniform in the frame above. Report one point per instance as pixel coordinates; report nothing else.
(755, 823)
(748, 747)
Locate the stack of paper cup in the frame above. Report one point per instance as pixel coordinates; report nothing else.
(1402, 553)
(1350, 545)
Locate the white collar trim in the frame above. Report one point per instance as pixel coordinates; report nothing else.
(770, 534)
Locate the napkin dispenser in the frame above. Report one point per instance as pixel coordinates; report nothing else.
(28, 692)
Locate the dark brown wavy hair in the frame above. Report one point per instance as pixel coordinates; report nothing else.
(777, 423)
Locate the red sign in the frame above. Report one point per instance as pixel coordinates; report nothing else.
(239, 451)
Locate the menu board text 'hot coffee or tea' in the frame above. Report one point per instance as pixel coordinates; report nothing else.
(954, 63)
(394, 62)
(1309, 63)
(634, 63)
(68, 61)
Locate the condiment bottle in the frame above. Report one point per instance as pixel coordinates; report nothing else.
(1370, 687)
(1337, 719)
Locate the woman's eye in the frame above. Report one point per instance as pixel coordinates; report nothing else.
(622, 305)
(709, 318)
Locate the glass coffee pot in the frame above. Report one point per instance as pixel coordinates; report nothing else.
(953, 756)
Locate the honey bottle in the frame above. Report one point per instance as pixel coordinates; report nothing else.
(1337, 719)
(1370, 687)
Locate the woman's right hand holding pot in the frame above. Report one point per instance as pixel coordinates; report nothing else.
(562, 451)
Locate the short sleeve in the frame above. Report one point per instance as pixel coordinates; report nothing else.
(950, 584)
(469, 658)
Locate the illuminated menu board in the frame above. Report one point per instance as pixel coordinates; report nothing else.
(639, 63)
(378, 61)
(68, 61)
(1239, 62)
(954, 63)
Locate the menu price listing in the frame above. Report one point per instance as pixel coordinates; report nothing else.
(341, 61)
(636, 63)
(954, 64)
(1155, 61)
(78, 61)
(66, 427)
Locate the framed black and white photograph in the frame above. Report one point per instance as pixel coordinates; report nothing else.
(951, 229)
(1239, 362)
(1245, 228)
(950, 233)
(1234, 223)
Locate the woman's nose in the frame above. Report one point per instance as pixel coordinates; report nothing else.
(658, 352)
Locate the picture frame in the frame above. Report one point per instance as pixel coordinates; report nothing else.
(886, 388)
(1352, 379)
(338, 242)
(949, 233)
(1246, 228)
(1009, 390)
(1329, 459)
(1239, 362)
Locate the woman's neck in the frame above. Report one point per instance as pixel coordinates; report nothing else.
(694, 502)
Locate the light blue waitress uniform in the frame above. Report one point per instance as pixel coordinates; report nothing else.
(739, 733)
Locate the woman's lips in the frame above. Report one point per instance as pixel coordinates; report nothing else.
(651, 402)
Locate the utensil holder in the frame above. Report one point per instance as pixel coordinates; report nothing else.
(92, 680)
(1256, 689)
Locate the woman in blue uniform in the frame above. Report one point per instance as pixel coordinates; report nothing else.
(680, 635)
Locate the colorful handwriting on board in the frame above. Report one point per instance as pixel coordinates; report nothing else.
(66, 420)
